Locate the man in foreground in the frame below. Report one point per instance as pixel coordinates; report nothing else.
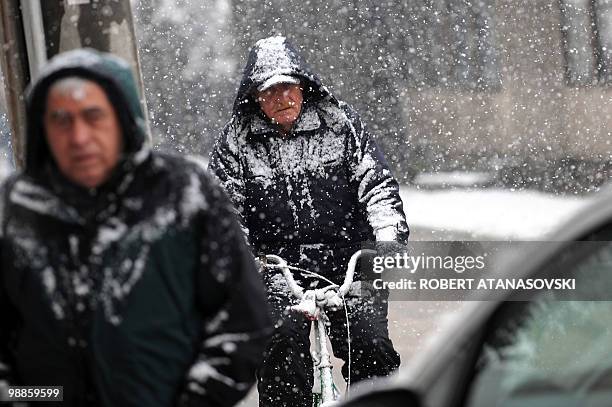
(310, 185)
(124, 276)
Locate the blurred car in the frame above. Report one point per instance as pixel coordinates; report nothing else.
(550, 351)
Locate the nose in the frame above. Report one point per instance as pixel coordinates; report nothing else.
(80, 132)
(281, 94)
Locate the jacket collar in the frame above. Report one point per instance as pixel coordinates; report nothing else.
(95, 204)
(309, 120)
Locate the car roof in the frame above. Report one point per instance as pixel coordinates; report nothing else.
(425, 366)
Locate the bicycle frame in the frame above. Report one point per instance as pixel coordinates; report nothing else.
(325, 392)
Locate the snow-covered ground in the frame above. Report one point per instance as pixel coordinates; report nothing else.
(488, 213)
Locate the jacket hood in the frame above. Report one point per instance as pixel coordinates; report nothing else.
(113, 74)
(270, 57)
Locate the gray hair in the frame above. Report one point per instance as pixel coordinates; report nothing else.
(70, 85)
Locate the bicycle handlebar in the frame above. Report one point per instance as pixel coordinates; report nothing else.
(299, 291)
(350, 272)
(282, 264)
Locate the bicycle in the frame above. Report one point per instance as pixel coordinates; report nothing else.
(313, 303)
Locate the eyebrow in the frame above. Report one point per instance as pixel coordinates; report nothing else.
(57, 113)
(93, 109)
(61, 112)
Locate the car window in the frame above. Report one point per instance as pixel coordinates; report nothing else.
(555, 350)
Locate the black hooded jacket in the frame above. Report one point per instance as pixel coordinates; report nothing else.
(140, 292)
(325, 185)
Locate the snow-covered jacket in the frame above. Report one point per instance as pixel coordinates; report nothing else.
(138, 293)
(325, 185)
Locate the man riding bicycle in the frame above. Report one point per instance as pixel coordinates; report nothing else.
(310, 185)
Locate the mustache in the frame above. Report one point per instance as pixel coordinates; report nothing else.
(286, 105)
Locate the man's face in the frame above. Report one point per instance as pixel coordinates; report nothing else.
(282, 103)
(82, 131)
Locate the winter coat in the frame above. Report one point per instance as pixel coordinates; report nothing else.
(322, 187)
(138, 293)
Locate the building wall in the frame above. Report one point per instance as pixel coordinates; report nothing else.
(534, 112)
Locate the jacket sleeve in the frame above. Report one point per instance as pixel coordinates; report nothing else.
(232, 298)
(225, 165)
(377, 189)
